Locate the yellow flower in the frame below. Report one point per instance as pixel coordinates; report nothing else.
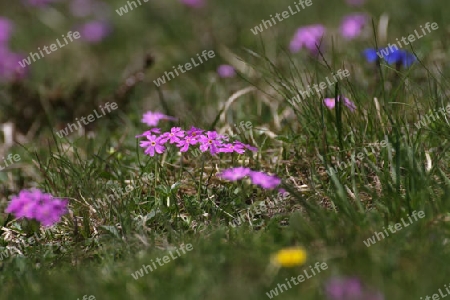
(290, 257)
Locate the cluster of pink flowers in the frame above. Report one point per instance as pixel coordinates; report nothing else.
(331, 103)
(206, 140)
(262, 179)
(310, 37)
(34, 204)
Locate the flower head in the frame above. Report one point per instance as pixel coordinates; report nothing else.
(94, 31)
(307, 37)
(149, 132)
(289, 257)
(152, 118)
(194, 132)
(186, 142)
(35, 204)
(210, 141)
(152, 145)
(352, 25)
(226, 71)
(392, 55)
(10, 67)
(173, 136)
(349, 288)
(232, 147)
(234, 174)
(264, 180)
(331, 103)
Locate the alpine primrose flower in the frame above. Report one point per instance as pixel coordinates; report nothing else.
(183, 140)
(307, 37)
(34, 204)
(173, 136)
(234, 174)
(331, 103)
(152, 145)
(349, 288)
(94, 31)
(226, 71)
(289, 257)
(352, 25)
(153, 118)
(262, 179)
(10, 70)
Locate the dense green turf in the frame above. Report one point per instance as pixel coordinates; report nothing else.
(101, 243)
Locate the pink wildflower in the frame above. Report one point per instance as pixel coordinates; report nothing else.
(152, 145)
(153, 118)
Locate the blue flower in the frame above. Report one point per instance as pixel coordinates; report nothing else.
(391, 56)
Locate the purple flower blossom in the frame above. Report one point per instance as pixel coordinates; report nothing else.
(152, 145)
(149, 132)
(264, 180)
(173, 136)
(6, 28)
(37, 205)
(237, 147)
(234, 174)
(226, 71)
(193, 3)
(307, 37)
(153, 118)
(349, 288)
(194, 132)
(10, 69)
(94, 31)
(352, 25)
(210, 142)
(184, 144)
(331, 103)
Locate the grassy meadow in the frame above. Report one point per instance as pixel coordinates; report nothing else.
(348, 173)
